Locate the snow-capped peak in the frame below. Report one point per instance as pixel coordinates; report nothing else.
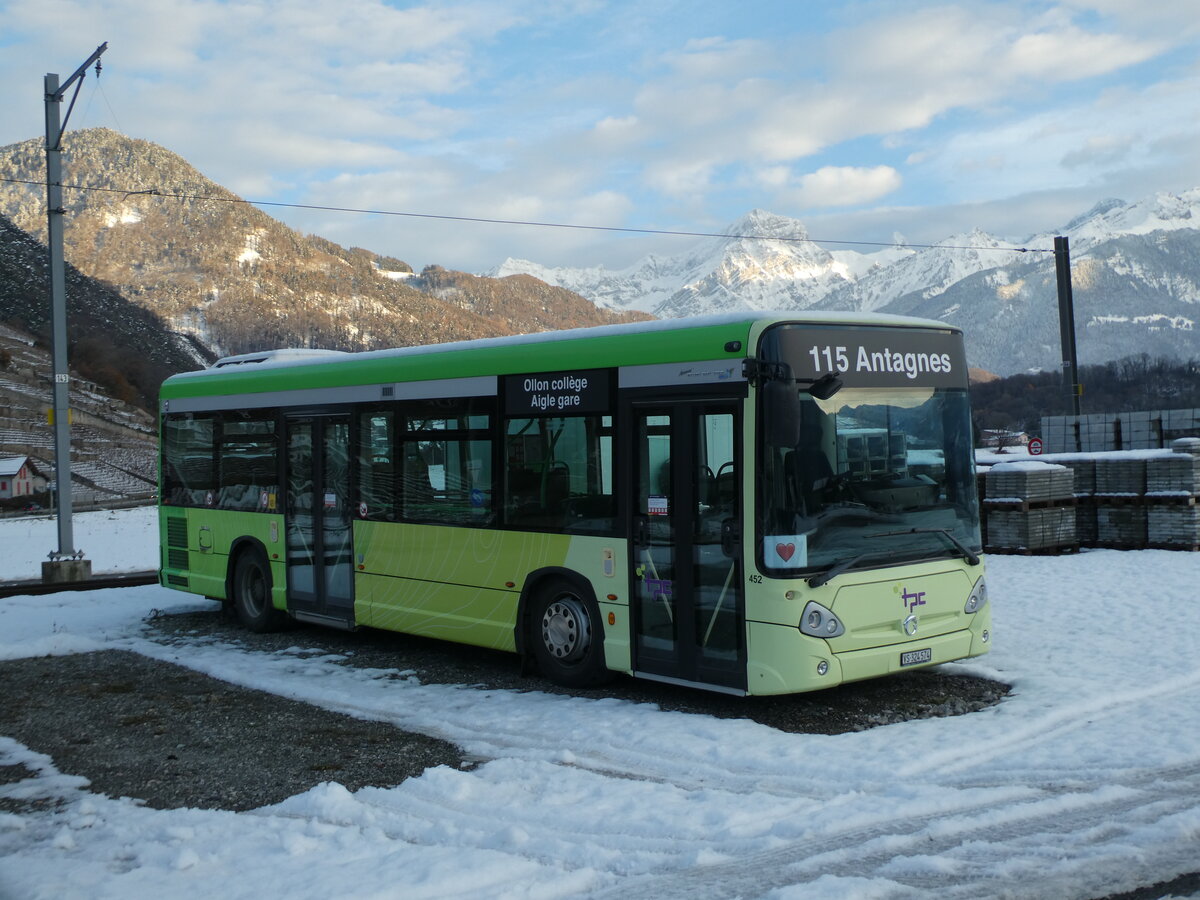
(758, 223)
(1113, 218)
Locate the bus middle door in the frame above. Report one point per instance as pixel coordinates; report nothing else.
(319, 523)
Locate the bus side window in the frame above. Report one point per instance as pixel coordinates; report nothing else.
(376, 465)
(447, 464)
(558, 474)
(189, 471)
(248, 462)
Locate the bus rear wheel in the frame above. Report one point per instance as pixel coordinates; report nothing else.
(252, 594)
(566, 636)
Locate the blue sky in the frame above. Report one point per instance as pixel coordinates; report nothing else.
(862, 119)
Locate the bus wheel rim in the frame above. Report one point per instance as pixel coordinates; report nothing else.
(565, 629)
(253, 591)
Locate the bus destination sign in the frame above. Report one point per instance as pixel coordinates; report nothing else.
(558, 393)
(867, 357)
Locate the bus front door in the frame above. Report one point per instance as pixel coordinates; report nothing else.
(689, 613)
(319, 551)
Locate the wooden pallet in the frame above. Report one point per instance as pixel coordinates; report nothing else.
(1056, 550)
(1027, 505)
(1170, 499)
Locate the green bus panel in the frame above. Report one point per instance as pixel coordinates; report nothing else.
(464, 584)
(513, 355)
(196, 544)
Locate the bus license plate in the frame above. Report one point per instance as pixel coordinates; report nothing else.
(916, 657)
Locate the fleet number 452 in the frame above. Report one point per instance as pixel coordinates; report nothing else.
(834, 358)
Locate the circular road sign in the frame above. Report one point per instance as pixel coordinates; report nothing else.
(1035, 446)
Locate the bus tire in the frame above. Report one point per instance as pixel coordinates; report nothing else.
(566, 636)
(251, 594)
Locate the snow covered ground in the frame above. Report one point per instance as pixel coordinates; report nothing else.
(1084, 782)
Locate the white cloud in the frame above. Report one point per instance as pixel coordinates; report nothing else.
(621, 112)
(1087, 142)
(1071, 54)
(828, 186)
(1100, 149)
(846, 185)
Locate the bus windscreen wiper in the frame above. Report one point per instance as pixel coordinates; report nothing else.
(969, 555)
(839, 567)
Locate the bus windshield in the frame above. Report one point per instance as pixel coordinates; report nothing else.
(875, 476)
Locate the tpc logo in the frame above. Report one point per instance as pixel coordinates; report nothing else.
(912, 599)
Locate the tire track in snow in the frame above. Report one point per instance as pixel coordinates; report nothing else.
(1053, 725)
(897, 855)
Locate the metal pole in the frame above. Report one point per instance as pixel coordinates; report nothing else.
(65, 564)
(58, 319)
(1066, 320)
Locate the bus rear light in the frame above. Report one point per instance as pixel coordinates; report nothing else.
(817, 621)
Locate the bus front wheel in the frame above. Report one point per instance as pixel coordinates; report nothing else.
(567, 638)
(252, 594)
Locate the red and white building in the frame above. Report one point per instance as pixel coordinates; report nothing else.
(16, 477)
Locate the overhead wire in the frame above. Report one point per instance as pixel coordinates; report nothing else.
(156, 192)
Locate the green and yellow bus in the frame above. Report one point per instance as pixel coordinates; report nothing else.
(742, 503)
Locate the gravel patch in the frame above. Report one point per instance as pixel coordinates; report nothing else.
(161, 733)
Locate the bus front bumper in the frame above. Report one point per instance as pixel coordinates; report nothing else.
(807, 664)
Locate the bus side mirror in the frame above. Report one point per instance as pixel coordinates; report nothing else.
(781, 409)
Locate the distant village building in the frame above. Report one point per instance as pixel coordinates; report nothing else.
(16, 477)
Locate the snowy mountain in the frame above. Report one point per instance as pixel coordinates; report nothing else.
(763, 261)
(1136, 282)
(1133, 294)
(1112, 218)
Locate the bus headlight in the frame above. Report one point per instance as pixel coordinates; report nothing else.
(978, 599)
(817, 621)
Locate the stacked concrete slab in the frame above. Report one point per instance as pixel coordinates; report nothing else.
(1120, 476)
(1097, 432)
(1173, 527)
(1051, 528)
(1120, 527)
(1120, 498)
(1177, 475)
(1029, 506)
(1033, 482)
(1084, 469)
(1172, 485)
(1123, 500)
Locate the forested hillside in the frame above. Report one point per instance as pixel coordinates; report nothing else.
(118, 344)
(214, 267)
(1018, 402)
